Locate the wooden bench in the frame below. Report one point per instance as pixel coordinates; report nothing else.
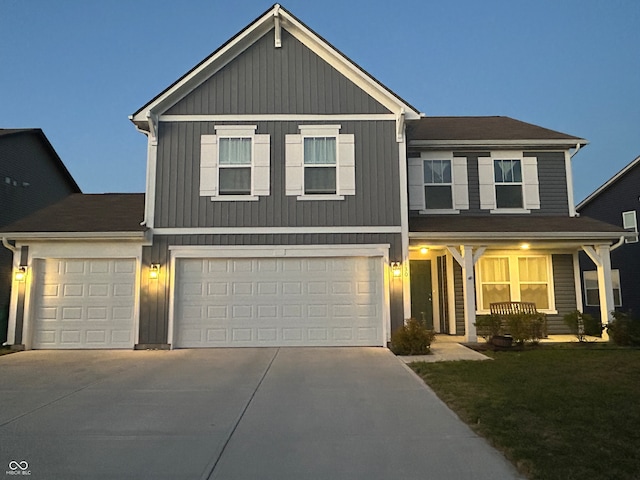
(507, 308)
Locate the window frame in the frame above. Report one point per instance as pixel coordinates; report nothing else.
(630, 226)
(520, 183)
(514, 279)
(614, 273)
(305, 165)
(230, 166)
(449, 184)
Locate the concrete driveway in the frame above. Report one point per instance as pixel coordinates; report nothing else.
(268, 413)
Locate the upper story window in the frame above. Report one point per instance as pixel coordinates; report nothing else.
(508, 182)
(630, 222)
(515, 278)
(438, 183)
(235, 164)
(320, 163)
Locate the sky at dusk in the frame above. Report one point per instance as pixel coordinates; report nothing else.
(78, 68)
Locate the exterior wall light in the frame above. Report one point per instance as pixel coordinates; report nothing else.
(154, 271)
(20, 274)
(396, 268)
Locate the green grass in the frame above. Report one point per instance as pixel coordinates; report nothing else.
(569, 412)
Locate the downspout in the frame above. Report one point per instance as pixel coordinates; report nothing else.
(618, 244)
(7, 245)
(578, 147)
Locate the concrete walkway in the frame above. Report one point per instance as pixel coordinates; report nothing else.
(446, 349)
(269, 413)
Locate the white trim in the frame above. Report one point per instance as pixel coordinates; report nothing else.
(479, 236)
(280, 117)
(404, 222)
(260, 251)
(576, 281)
(569, 175)
(440, 211)
(241, 131)
(150, 193)
(539, 144)
(128, 236)
(511, 211)
(451, 293)
(15, 295)
(275, 230)
(235, 198)
(319, 197)
(171, 278)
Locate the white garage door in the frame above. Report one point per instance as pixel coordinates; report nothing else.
(279, 302)
(85, 303)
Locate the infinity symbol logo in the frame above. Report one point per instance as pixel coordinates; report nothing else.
(13, 465)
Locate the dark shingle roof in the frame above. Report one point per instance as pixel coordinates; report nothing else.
(481, 128)
(109, 212)
(524, 224)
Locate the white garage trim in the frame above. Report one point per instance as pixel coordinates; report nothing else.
(74, 250)
(282, 251)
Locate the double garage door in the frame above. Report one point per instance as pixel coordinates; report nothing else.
(278, 302)
(84, 303)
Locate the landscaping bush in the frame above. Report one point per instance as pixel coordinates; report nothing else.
(624, 330)
(414, 338)
(488, 326)
(583, 325)
(526, 327)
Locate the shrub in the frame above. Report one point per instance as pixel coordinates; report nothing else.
(414, 338)
(583, 325)
(526, 327)
(624, 330)
(488, 326)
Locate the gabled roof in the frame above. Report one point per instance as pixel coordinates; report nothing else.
(109, 214)
(8, 132)
(478, 131)
(244, 39)
(609, 183)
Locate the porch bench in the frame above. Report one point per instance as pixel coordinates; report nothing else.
(504, 309)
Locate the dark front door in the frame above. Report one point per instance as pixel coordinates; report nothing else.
(421, 302)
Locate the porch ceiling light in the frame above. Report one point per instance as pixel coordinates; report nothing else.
(20, 274)
(396, 268)
(525, 246)
(424, 250)
(154, 271)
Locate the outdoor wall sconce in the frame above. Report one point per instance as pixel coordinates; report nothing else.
(20, 274)
(396, 269)
(154, 271)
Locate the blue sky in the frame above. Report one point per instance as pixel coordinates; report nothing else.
(78, 68)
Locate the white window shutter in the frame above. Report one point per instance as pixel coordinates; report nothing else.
(346, 165)
(460, 184)
(487, 185)
(261, 165)
(208, 165)
(531, 184)
(293, 164)
(416, 183)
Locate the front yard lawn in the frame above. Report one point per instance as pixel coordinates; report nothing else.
(557, 412)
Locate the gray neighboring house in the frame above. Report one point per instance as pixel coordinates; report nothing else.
(292, 199)
(32, 176)
(615, 202)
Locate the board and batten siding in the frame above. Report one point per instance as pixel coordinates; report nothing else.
(552, 180)
(154, 299)
(179, 204)
(268, 80)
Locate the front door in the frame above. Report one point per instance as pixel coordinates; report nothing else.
(421, 301)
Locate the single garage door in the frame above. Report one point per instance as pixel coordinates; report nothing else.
(85, 303)
(279, 302)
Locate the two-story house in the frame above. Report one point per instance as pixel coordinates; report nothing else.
(292, 199)
(615, 202)
(32, 176)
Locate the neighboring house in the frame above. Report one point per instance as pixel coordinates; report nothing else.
(292, 200)
(616, 202)
(32, 176)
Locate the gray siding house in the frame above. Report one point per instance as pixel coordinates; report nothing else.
(32, 176)
(294, 200)
(615, 202)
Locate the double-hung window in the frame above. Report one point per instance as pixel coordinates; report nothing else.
(438, 185)
(630, 223)
(235, 163)
(320, 163)
(515, 278)
(508, 183)
(592, 292)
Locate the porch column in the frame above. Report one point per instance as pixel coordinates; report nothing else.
(467, 260)
(601, 256)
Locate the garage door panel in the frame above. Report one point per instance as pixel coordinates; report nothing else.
(87, 303)
(278, 301)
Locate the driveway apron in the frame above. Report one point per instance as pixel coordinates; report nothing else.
(263, 413)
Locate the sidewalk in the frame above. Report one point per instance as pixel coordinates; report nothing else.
(446, 349)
